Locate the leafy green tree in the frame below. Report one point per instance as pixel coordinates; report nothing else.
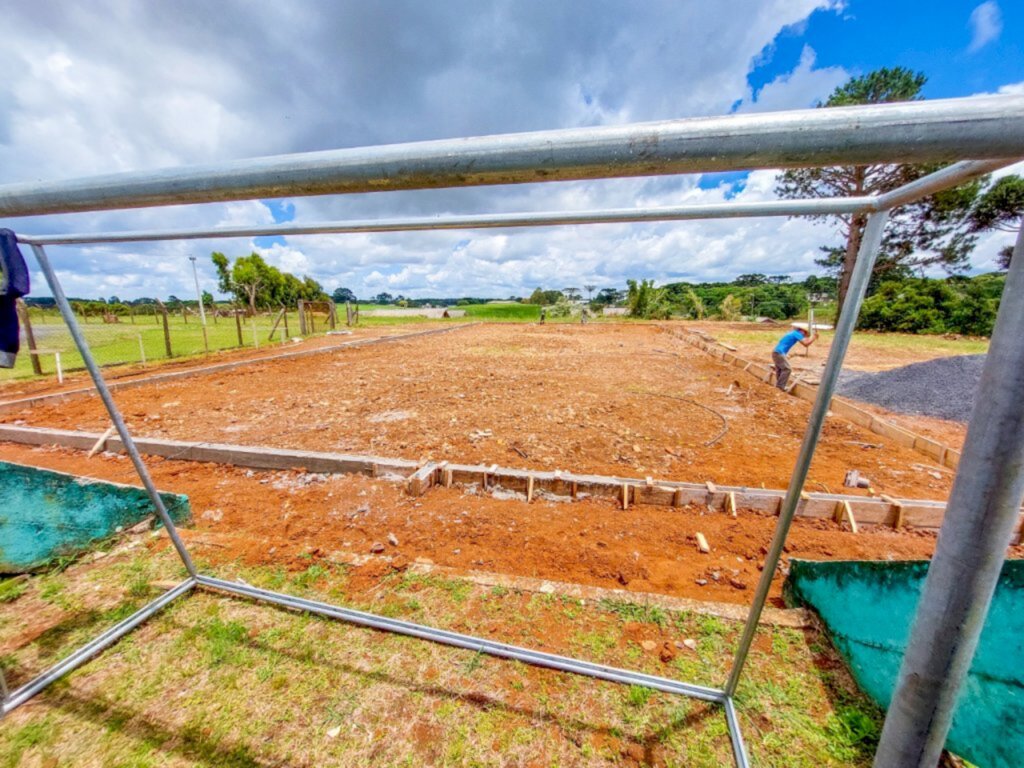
(383, 298)
(341, 295)
(254, 282)
(1001, 206)
(544, 298)
(919, 234)
(608, 296)
(561, 308)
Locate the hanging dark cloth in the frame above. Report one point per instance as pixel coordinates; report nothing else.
(13, 285)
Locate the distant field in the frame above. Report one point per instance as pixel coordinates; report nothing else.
(502, 311)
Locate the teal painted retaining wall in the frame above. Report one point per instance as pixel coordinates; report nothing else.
(45, 514)
(869, 607)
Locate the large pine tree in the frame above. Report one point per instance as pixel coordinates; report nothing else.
(920, 234)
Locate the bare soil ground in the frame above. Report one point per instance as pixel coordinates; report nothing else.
(292, 519)
(626, 400)
(868, 351)
(14, 389)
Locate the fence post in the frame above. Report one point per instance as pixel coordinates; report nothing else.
(332, 318)
(302, 318)
(167, 329)
(287, 333)
(131, 314)
(22, 309)
(348, 313)
(238, 327)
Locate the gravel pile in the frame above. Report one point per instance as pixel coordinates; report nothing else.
(943, 387)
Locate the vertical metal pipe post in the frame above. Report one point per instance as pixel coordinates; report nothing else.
(844, 330)
(108, 401)
(969, 554)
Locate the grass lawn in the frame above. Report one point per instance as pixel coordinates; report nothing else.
(219, 681)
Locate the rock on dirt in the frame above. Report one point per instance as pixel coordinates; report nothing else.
(377, 548)
(943, 388)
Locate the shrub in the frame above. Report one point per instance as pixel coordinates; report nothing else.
(923, 305)
(647, 302)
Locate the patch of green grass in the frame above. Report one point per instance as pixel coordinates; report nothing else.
(595, 642)
(457, 589)
(223, 640)
(637, 695)
(520, 312)
(25, 738)
(311, 575)
(12, 589)
(852, 732)
(646, 614)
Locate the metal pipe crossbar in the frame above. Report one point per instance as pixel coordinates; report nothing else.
(986, 129)
(915, 131)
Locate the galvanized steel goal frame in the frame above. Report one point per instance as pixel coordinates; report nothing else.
(983, 134)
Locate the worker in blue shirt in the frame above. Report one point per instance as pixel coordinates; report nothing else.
(781, 362)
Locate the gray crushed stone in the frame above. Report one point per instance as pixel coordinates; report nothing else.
(943, 388)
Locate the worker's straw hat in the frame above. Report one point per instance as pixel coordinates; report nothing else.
(801, 326)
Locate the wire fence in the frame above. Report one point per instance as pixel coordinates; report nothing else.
(148, 336)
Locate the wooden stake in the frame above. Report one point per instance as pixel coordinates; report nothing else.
(730, 503)
(702, 543)
(677, 498)
(843, 509)
(897, 509)
(625, 496)
(529, 488)
(101, 443)
(574, 489)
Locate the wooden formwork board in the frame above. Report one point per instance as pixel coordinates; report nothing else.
(909, 513)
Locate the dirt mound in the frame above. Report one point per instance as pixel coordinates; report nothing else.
(944, 387)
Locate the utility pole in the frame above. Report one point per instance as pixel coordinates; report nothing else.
(202, 311)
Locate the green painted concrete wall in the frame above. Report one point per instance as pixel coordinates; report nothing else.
(869, 607)
(45, 514)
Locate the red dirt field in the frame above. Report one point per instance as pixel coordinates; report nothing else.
(15, 389)
(623, 399)
(292, 519)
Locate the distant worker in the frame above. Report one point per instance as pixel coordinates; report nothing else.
(779, 359)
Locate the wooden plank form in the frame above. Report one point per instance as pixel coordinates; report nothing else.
(911, 513)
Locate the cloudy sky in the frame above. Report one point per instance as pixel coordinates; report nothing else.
(116, 85)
